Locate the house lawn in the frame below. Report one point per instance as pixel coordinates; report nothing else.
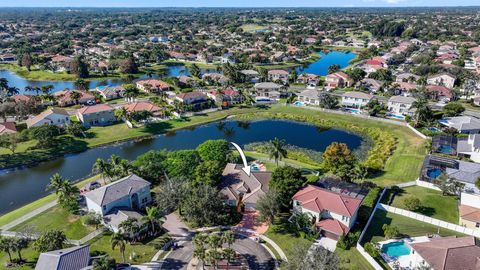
(134, 253)
(21, 211)
(28, 254)
(433, 203)
(57, 218)
(352, 260)
(407, 226)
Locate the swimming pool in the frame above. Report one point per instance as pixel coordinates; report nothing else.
(354, 111)
(434, 173)
(446, 149)
(299, 104)
(433, 129)
(400, 117)
(396, 249)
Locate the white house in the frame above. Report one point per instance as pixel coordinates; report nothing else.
(463, 124)
(53, 116)
(356, 99)
(334, 213)
(131, 192)
(400, 105)
(310, 96)
(443, 79)
(470, 147)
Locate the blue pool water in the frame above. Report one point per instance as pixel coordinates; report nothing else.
(434, 173)
(396, 249)
(446, 149)
(299, 103)
(433, 129)
(401, 117)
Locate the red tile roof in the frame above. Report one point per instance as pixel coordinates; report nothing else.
(318, 199)
(441, 90)
(20, 97)
(156, 84)
(94, 109)
(333, 226)
(7, 127)
(141, 106)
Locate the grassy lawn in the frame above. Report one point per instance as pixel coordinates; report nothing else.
(406, 226)
(352, 260)
(281, 235)
(251, 27)
(433, 203)
(59, 219)
(29, 254)
(134, 253)
(11, 216)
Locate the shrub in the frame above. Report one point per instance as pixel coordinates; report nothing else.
(347, 241)
(412, 203)
(390, 231)
(372, 250)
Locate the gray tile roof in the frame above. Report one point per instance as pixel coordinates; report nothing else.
(74, 258)
(117, 190)
(402, 99)
(462, 123)
(467, 172)
(119, 215)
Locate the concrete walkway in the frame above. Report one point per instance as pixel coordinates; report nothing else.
(28, 216)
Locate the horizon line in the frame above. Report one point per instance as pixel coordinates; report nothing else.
(196, 7)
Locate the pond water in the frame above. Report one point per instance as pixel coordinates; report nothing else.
(24, 185)
(21, 83)
(320, 67)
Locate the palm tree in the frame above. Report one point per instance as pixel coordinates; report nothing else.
(121, 113)
(130, 91)
(118, 240)
(277, 150)
(103, 168)
(104, 263)
(152, 217)
(228, 238)
(18, 244)
(199, 249)
(6, 244)
(46, 89)
(423, 114)
(11, 91)
(75, 96)
(228, 255)
(56, 183)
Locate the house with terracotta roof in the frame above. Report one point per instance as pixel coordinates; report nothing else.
(192, 98)
(338, 80)
(64, 98)
(447, 253)
(97, 115)
(228, 96)
(53, 116)
(143, 106)
(152, 86)
(241, 189)
(308, 79)
(8, 128)
(469, 209)
(334, 213)
(21, 98)
(439, 92)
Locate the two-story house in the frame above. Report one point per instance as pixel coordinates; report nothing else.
(400, 105)
(338, 80)
(119, 200)
(442, 79)
(278, 75)
(97, 115)
(309, 96)
(333, 213)
(354, 99)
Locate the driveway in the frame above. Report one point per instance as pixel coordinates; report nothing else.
(175, 226)
(256, 256)
(249, 221)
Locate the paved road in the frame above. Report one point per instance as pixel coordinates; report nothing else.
(257, 256)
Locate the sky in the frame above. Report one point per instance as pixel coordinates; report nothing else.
(235, 3)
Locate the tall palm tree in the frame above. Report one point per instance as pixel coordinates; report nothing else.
(131, 91)
(199, 248)
(12, 91)
(277, 150)
(121, 113)
(103, 168)
(153, 217)
(56, 183)
(46, 89)
(119, 240)
(6, 245)
(423, 114)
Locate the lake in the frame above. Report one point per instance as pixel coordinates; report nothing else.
(320, 67)
(23, 185)
(21, 83)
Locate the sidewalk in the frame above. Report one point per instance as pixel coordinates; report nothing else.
(28, 216)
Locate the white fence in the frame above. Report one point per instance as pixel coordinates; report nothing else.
(429, 220)
(360, 247)
(427, 185)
